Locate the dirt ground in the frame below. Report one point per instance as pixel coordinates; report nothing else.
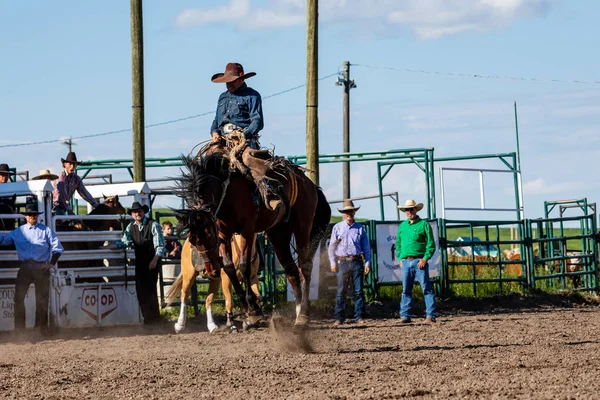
(513, 347)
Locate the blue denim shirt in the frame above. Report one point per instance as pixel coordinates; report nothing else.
(33, 242)
(242, 108)
(349, 240)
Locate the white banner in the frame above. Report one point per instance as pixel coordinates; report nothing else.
(388, 267)
(7, 307)
(314, 280)
(87, 306)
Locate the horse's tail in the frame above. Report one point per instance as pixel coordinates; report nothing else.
(175, 290)
(321, 218)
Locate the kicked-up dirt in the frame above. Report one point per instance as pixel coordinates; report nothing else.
(531, 351)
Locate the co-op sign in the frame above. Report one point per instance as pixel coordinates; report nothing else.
(98, 303)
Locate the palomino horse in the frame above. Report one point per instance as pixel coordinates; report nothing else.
(218, 195)
(187, 277)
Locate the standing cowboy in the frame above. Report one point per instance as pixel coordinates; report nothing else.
(4, 173)
(38, 249)
(239, 109)
(68, 182)
(348, 246)
(146, 238)
(415, 246)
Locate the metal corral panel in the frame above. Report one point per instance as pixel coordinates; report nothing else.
(95, 254)
(120, 189)
(89, 236)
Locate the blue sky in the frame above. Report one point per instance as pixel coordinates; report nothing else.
(67, 72)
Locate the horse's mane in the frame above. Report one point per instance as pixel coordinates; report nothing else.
(198, 171)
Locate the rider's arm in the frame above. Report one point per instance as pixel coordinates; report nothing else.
(218, 117)
(256, 115)
(84, 193)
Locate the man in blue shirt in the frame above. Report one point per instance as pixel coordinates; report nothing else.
(348, 248)
(146, 238)
(239, 110)
(38, 249)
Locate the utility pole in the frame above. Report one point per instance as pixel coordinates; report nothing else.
(69, 143)
(312, 90)
(347, 84)
(137, 85)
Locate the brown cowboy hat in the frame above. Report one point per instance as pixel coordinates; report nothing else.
(4, 170)
(411, 204)
(137, 206)
(233, 71)
(45, 174)
(71, 158)
(348, 206)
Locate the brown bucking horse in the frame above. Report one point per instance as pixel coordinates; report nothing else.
(221, 202)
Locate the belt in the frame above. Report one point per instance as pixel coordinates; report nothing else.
(413, 258)
(350, 258)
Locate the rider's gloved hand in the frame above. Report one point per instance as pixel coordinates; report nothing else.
(216, 137)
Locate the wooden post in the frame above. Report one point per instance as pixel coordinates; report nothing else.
(312, 90)
(346, 127)
(137, 85)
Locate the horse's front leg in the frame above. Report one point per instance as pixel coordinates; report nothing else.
(213, 289)
(245, 255)
(229, 268)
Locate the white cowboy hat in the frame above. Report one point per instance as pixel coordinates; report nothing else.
(411, 204)
(45, 174)
(348, 206)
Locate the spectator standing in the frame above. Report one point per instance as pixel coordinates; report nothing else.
(415, 246)
(146, 238)
(348, 248)
(38, 249)
(172, 247)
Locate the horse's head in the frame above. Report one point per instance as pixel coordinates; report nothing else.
(201, 185)
(201, 227)
(113, 203)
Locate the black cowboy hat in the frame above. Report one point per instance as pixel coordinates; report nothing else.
(31, 209)
(4, 170)
(137, 206)
(71, 158)
(233, 71)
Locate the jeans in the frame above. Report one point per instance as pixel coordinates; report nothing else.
(410, 272)
(31, 272)
(347, 269)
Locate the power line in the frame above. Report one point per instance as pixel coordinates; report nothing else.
(172, 121)
(479, 76)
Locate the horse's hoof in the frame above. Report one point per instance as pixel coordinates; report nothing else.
(212, 327)
(233, 329)
(179, 328)
(302, 320)
(254, 319)
(245, 326)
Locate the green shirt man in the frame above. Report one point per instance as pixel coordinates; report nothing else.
(415, 239)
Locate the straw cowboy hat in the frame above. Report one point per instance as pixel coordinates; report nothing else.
(411, 204)
(137, 206)
(45, 174)
(71, 158)
(348, 206)
(233, 71)
(31, 209)
(4, 170)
